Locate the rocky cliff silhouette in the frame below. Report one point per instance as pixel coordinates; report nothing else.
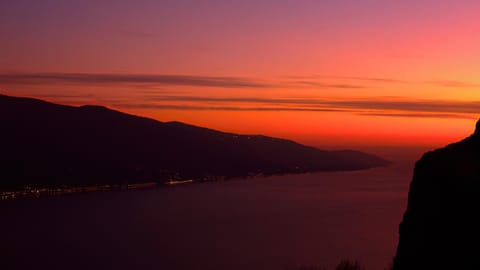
(48, 144)
(441, 227)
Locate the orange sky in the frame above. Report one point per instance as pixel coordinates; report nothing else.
(325, 73)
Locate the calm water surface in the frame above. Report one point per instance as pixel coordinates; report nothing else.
(263, 223)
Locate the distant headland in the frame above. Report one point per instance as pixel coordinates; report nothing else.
(51, 145)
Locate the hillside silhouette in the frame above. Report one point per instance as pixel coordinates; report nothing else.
(47, 144)
(441, 227)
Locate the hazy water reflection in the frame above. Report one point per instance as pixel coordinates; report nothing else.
(264, 223)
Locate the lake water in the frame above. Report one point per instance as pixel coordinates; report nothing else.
(262, 223)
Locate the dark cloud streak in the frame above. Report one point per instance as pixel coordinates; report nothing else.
(422, 115)
(381, 106)
(454, 84)
(220, 108)
(86, 78)
(148, 80)
(441, 83)
(379, 103)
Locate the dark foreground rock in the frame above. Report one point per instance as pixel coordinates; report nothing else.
(441, 227)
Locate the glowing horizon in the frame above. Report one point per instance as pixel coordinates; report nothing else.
(324, 73)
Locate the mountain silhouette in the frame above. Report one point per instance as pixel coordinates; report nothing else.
(441, 227)
(47, 144)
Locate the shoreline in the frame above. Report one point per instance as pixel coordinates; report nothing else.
(35, 193)
(40, 192)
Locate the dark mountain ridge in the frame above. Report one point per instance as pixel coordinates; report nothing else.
(441, 227)
(49, 144)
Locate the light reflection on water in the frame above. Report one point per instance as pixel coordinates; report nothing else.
(263, 223)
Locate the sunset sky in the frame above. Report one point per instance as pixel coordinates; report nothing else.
(329, 73)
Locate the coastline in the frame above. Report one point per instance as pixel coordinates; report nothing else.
(35, 193)
(30, 192)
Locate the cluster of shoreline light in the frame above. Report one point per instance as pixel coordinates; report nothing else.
(30, 192)
(36, 192)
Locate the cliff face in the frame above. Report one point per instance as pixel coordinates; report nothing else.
(441, 227)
